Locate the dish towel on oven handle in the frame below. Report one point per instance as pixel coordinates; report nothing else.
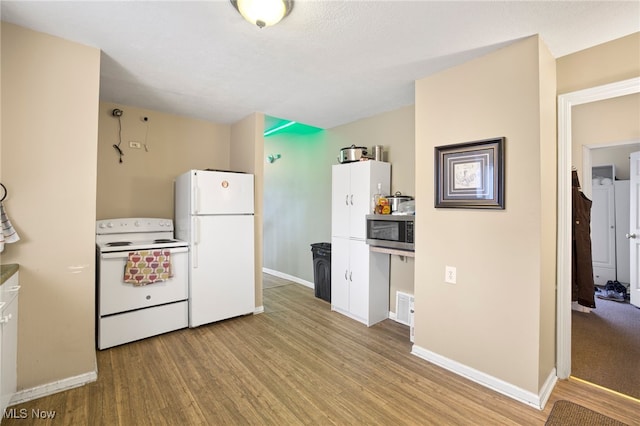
(147, 267)
(8, 234)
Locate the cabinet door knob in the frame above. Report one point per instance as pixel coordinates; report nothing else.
(346, 200)
(351, 199)
(630, 236)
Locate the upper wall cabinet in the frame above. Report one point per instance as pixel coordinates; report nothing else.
(352, 189)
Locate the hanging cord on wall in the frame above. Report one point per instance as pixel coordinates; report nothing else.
(146, 133)
(118, 113)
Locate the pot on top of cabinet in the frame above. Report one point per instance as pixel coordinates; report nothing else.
(352, 153)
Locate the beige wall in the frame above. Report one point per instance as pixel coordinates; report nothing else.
(607, 122)
(298, 189)
(49, 145)
(616, 60)
(499, 317)
(142, 185)
(246, 155)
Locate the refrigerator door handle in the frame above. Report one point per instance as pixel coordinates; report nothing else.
(196, 241)
(196, 195)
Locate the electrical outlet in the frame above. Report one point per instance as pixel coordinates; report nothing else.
(134, 145)
(450, 274)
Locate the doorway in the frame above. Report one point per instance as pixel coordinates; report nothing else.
(602, 339)
(565, 105)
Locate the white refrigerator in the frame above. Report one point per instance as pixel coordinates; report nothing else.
(214, 212)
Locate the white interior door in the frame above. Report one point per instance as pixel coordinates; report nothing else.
(634, 228)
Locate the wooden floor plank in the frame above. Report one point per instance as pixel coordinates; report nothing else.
(296, 363)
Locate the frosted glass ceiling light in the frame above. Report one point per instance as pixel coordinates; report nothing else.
(263, 13)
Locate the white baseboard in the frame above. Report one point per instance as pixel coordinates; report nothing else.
(54, 387)
(535, 400)
(547, 388)
(288, 277)
(258, 310)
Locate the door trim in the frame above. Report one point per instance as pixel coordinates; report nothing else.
(563, 269)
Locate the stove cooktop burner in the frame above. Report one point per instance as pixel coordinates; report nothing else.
(119, 243)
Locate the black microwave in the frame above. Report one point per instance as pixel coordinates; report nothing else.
(391, 231)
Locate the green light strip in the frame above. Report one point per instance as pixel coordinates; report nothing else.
(275, 129)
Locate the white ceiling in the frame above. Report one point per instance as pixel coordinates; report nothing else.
(326, 64)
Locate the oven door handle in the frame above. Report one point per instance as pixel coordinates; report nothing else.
(125, 254)
(115, 255)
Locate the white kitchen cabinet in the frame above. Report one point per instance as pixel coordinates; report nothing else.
(8, 339)
(359, 281)
(359, 278)
(352, 188)
(340, 274)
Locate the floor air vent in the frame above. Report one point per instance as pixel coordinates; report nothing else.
(404, 304)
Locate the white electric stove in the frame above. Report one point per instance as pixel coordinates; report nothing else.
(126, 312)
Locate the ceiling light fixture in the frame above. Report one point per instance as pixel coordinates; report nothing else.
(263, 13)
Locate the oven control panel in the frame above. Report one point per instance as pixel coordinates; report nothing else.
(145, 224)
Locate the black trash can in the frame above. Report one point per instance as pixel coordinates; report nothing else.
(322, 270)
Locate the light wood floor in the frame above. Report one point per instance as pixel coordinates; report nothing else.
(296, 363)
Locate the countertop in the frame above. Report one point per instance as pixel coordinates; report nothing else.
(6, 271)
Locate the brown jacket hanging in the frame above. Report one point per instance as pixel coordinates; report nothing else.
(583, 287)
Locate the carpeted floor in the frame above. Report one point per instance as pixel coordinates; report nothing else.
(565, 413)
(605, 346)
